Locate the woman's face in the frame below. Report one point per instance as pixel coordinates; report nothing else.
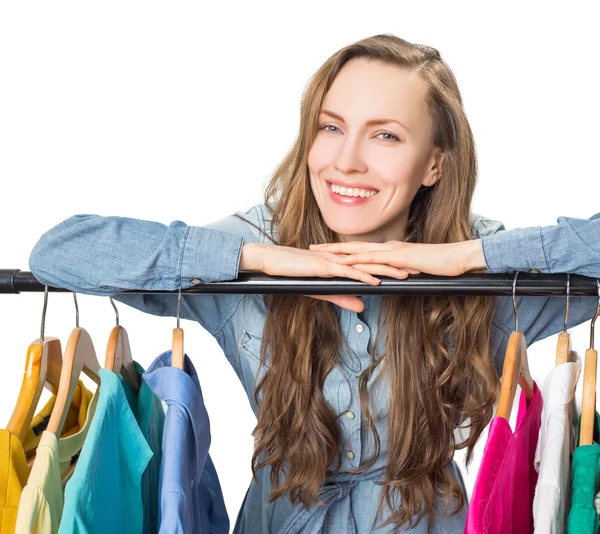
(392, 158)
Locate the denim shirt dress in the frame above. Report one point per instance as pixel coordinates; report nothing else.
(98, 255)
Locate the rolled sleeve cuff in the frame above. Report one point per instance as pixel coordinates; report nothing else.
(521, 249)
(209, 255)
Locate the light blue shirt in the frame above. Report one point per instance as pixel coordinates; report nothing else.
(103, 255)
(104, 494)
(191, 500)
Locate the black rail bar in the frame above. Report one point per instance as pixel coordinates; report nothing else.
(469, 284)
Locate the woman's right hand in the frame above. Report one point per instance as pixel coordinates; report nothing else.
(276, 260)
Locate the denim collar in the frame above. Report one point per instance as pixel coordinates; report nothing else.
(181, 390)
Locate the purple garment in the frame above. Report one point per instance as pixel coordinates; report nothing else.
(502, 499)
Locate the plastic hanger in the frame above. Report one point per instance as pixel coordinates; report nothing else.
(563, 347)
(516, 367)
(42, 369)
(118, 355)
(177, 346)
(79, 356)
(588, 404)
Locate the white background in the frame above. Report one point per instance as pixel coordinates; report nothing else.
(182, 111)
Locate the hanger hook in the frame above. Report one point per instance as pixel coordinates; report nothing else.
(595, 315)
(567, 308)
(76, 310)
(116, 311)
(178, 306)
(515, 301)
(44, 313)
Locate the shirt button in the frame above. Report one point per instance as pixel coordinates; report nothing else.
(350, 454)
(359, 328)
(197, 281)
(349, 414)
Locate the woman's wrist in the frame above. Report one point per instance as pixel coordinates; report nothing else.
(251, 258)
(474, 260)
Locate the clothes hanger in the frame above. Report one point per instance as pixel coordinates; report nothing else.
(42, 369)
(177, 346)
(563, 347)
(516, 367)
(118, 355)
(588, 404)
(79, 356)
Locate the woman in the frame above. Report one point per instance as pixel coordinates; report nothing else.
(351, 436)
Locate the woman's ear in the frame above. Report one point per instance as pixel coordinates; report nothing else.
(434, 172)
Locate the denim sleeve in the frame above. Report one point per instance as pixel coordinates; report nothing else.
(571, 246)
(98, 255)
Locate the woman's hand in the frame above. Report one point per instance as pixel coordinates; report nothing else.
(445, 259)
(276, 260)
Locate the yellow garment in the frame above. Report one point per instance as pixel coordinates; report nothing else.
(41, 504)
(13, 476)
(14, 470)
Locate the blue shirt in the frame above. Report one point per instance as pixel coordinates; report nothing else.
(191, 500)
(104, 493)
(103, 255)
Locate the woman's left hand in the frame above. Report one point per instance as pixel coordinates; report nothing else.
(445, 259)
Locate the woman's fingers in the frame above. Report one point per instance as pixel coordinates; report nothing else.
(383, 270)
(347, 302)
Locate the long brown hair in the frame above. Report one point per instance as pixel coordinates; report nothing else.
(437, 362)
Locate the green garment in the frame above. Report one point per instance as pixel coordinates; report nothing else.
(583, 518)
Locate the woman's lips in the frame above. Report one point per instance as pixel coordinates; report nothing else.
(344, 200)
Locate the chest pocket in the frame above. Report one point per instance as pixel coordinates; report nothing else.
(250, 344)
(249, 364)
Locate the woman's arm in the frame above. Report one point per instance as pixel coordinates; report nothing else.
(102, 255)
(571, 246)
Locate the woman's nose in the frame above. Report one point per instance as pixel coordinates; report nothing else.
(349, 158)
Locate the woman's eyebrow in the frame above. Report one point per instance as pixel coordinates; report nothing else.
(372, 122)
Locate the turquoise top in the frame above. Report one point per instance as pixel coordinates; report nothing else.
(104, 494)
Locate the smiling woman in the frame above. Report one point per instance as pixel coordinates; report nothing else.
(382, 142)
(353, 435)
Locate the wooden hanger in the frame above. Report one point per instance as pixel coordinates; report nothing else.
(588, 404)
(516, 368)
(563, 347)
(42, 369)
(118, 355)
(177, 353)
(79, 356)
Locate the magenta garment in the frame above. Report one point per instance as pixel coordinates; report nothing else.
(502, 499)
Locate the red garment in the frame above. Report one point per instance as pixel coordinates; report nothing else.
(502, 499)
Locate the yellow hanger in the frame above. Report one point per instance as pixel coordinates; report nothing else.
(118, 355)
(588, 404)
(79, 356)
(42, 369)
(563, 347)
(515, 369)
(177, 346)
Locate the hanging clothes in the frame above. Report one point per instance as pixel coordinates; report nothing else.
(555, 446)
(14, 455)
(41, 504)
(191, 500)
(585, 484)
(105, 492)
(150, 415)
(502, 497)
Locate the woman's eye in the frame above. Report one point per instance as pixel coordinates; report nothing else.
(325, 126)
(393, 137)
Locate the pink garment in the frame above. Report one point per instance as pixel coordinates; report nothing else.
(502, 499)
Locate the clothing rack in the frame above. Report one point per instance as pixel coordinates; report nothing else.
(469, 284)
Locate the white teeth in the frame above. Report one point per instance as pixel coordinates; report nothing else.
(351, 191)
